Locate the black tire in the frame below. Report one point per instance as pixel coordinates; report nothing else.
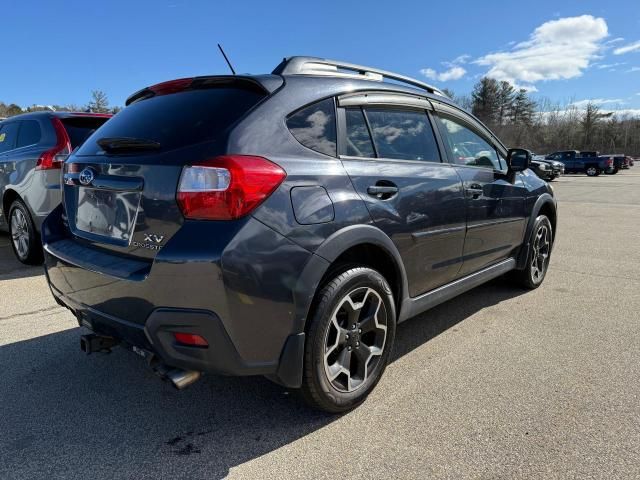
(528, 278)
(363, 286)
(592, 171)
(25, 240)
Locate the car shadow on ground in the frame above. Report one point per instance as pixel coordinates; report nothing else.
(68, 415)
(10, 267)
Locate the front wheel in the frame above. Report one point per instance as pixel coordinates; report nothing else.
(24, 237)
(540, 244)
(349, 340)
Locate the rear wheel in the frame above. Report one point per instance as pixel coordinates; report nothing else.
(24, 238)
(349, 340)
(540, 245)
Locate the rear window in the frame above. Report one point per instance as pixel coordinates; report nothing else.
(80, 128)
(178, 119)
(315, 127)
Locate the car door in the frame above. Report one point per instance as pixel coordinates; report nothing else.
(571, 162)
(388, 147)
(495, 199)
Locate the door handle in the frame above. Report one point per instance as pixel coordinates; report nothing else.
(375, 190)
(474, 191)
(382, 191)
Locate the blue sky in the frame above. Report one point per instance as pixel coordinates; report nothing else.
(57, 52)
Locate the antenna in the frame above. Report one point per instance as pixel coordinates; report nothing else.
(226, 59)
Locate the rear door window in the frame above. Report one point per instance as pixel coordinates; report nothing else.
(8, 136)
(359, 142)
(402, 134)
(178, 119)
(29, 133)
(80, 128)
(314, 126)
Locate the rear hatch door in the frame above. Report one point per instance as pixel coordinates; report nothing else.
(120, 186)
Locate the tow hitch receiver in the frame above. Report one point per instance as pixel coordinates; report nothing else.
(97, 343)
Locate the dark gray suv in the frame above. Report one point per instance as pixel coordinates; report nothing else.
(283, 224)
(32, 148)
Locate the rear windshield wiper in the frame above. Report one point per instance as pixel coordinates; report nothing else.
(127, 144)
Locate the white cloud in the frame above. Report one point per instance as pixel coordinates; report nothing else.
(459, 60)
(632, 47)
(597, 101)
(609, 65)
(558, 49)
(633, 69)
(454, 73)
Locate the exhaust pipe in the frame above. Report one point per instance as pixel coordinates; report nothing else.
(97, 343)
(182, 378)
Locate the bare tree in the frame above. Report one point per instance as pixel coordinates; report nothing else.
(99, 102)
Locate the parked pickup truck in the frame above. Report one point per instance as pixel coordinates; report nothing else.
(583, 162)
(620, 161)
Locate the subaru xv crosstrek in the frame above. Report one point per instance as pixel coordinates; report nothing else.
(284, 224)
(32, 149)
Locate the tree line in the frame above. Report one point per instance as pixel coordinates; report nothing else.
(545, 126)
(98, 103)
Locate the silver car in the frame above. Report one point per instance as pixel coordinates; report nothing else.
(33, 147)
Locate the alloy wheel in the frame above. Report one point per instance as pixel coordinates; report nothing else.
(20, 232)
(355, 339)
(541, 251)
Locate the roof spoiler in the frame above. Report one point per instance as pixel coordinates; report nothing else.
(335, 68)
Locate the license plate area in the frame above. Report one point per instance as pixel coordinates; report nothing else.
(107, 213)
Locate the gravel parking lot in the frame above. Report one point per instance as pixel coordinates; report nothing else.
(498, 383)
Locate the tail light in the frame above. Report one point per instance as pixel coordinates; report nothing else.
(55, 157)
(227, 187)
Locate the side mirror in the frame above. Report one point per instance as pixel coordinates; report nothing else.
(518, 159)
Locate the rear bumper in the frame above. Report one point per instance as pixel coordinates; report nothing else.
(156, 336)
(248, 293)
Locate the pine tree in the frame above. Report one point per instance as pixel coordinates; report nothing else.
(590, 122)
(506, 97)
(523, 108)
(485, 100)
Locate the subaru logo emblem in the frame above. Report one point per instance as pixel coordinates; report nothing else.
(86, 176)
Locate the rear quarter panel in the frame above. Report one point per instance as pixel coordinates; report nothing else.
(265, 133)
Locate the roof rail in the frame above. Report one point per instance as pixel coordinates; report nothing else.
(335, 68)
